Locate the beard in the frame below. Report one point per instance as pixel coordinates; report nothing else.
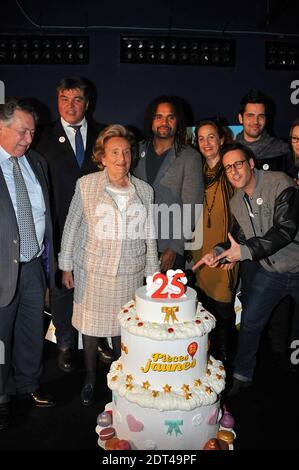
(166, 133)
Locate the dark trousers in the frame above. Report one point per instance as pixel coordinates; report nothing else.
(62, 311)
(223, 336)
(266, 291)
(22, 333)
(280, 323)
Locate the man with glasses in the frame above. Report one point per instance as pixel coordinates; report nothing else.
(265, 207)
(270, 153)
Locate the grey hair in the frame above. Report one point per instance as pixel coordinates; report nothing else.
(114, 130)
(16, 104)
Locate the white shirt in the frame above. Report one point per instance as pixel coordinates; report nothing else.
(35, 194)
(71, 133)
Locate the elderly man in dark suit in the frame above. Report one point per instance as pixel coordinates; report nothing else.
(67, 145)
(26, 256)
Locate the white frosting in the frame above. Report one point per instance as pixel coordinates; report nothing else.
(146, 319)
(197, 395)
(176, 362)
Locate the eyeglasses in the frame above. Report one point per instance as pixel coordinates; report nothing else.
(237, 165)
(294, 140)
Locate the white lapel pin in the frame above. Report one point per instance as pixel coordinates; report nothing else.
(259, 201)
(142, 154)
(61, 139)
(265, 166)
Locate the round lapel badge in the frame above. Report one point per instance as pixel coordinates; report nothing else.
(265, 166)
(259, 201)
(61, 139)
(142, 155)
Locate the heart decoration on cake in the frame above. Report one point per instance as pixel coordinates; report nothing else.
(197, 420)
(134, 424)
(213, 417)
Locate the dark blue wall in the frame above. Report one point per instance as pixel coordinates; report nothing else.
(124, 90)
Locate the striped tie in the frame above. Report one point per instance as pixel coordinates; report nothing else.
(28, 241)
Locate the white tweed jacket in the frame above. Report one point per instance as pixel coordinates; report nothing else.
(93, 236)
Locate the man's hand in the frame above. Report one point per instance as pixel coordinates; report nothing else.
(167, 260)
(67, 279)
(209, 259)
(233, 254)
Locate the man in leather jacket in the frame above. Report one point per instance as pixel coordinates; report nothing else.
(265, 207)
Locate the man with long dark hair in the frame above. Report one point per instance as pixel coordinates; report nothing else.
(174, 170)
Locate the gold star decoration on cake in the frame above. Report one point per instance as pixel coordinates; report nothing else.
(188, 396)
(114, 378)
(129, 378)
(197, 383)
(124, 348)
(185, 388)
(129, 386)
(208, 372)
(145, 385)
(167, 388)
(208, 390)
(119, 367)
(155, 393)
(218, 376)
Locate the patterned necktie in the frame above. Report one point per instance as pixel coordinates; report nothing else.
(80, 153)
(28, 241)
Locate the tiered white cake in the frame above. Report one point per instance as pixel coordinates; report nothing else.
(165, 388)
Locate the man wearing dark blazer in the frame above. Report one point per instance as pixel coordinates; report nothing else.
(58, 143)
(24, 265)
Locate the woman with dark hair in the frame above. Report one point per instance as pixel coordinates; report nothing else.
(217, 286)
(108, 245)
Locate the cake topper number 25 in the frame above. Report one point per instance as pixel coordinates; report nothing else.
(159, 294)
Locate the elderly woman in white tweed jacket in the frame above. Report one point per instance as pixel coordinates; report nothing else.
(108, 245)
